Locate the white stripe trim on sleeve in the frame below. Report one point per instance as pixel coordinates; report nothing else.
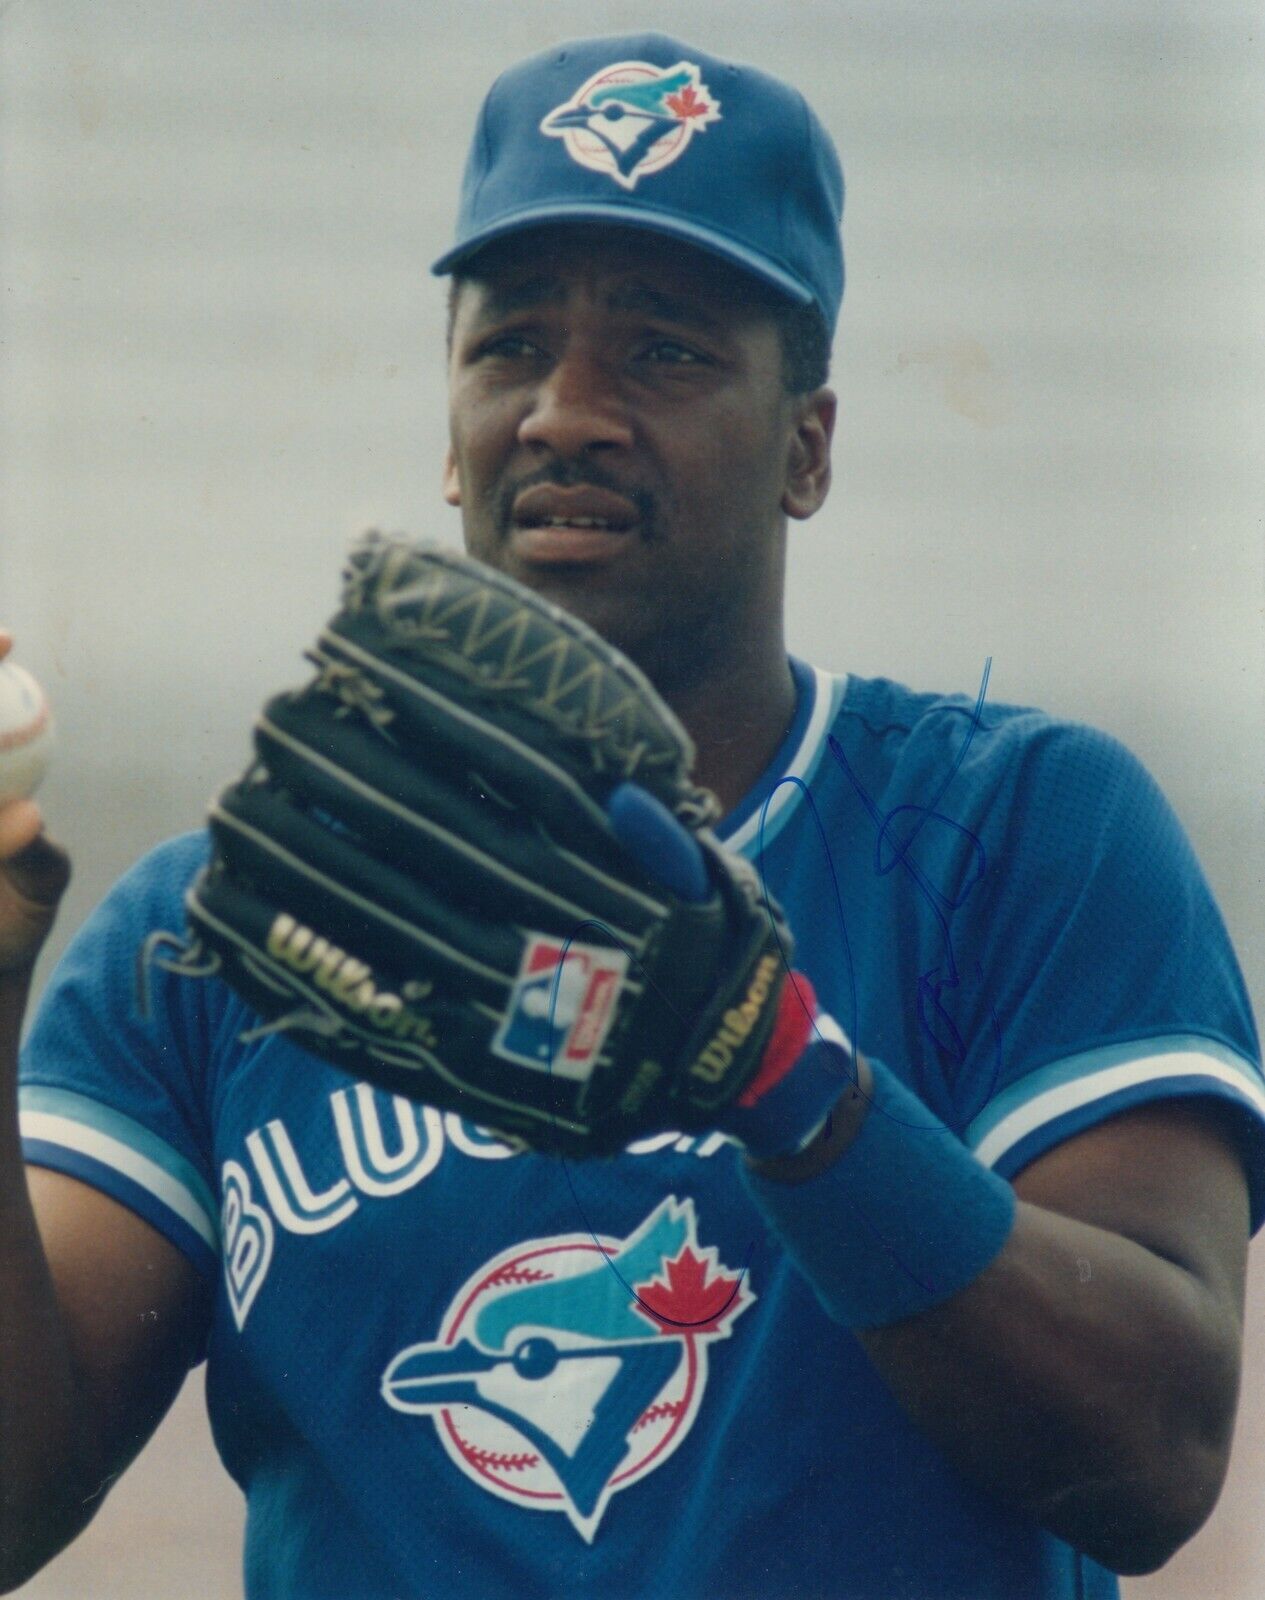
(1067, 1097)
(111, 1152)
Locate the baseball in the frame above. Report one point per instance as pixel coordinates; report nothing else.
(26, 732)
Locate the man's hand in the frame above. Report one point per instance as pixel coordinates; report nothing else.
(33, 874)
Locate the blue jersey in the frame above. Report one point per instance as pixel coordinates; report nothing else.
(437, 1366)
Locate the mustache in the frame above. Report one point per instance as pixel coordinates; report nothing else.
(575, 475)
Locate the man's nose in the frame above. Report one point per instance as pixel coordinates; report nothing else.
(577, 408)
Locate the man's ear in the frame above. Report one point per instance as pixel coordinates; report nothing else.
(808, 458)
(452, 482)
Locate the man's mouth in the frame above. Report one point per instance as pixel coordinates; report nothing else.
(573, 522)
(551, 525)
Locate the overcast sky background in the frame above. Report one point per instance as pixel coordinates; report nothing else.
(221, 357)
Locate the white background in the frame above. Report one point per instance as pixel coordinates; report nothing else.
(221, 357)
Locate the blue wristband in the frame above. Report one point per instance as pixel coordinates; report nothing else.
(902, 1219)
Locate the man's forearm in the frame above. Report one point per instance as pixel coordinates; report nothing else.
(1085, 1376)
(1082, 1378)
(40, 1501)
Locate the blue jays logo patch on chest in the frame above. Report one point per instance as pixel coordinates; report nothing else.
(567, 1369)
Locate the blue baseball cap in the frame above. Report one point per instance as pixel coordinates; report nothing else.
(642, 131)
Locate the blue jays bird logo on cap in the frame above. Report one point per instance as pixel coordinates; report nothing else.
(568, 1368)
(632, 119)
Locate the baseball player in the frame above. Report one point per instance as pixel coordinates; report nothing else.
(921, 1082)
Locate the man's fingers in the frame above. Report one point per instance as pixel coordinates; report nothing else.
(20, 825)
(37, 869)
(658, 842)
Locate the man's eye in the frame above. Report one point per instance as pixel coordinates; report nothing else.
(510, 347)
(671, 353)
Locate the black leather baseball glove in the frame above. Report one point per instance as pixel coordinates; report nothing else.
(469, 865)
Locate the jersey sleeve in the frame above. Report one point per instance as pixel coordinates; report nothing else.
(1094, 957)
(112, 1087)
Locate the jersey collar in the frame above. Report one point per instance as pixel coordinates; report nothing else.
(817, 697)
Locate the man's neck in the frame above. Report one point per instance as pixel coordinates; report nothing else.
(737, 719)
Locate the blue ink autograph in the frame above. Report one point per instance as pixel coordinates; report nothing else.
(892, 849)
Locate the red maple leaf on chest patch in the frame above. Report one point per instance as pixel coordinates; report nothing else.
(688, 103)
(690, 1301)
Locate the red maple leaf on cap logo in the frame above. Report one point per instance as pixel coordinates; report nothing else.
(690, 1301)
(688, 103)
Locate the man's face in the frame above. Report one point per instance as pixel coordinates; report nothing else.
(621, 440)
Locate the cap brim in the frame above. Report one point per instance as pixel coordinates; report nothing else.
(648, 221)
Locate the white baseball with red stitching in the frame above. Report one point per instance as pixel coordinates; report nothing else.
(26, 732)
